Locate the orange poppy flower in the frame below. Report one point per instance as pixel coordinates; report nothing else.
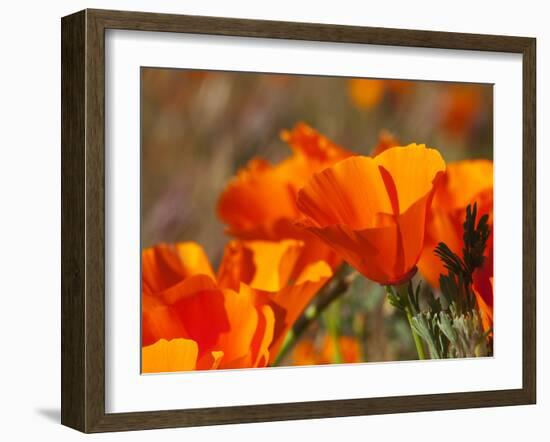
(236, 319)
(367, 93)
(306, 352)
(260, 202)
(372, 211)
(465, 182)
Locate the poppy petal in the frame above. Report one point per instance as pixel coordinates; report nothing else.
(243, 320)
(167, 264)
(167, 356)
(414, 169)
(350, 193)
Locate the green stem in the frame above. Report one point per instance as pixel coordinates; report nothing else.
(336, 288)
(402, 293)
(416, 337)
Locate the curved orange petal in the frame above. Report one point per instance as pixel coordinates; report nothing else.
(256, 203)
(315, 250)
(370, 251)
(414, 169)
(463, 181)
(166, 356)
(179, 312)
(283, 263)
(411, 225)
(373, 210)
(167, 264)
(350, 193)
(190, 286)
(247, 342)
(160, 268)
(210, 360)
(243, 319)
(158, 321)
(237, 266)
(205, 317)
(263, 337)
(268, 259)
(193, 259)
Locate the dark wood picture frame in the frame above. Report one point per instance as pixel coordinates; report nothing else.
(83, 220)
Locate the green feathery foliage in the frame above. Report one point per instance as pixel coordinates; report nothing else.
(450, 324)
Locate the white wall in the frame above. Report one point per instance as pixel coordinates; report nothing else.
(30, 216)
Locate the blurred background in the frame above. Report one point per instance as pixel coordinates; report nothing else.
(199, 127)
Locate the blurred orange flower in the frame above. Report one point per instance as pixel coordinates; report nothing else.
(465, 182)
(260, 202)
(192, 319)
(461, 106)
(307, 353)
(372, 211)
(367, 93)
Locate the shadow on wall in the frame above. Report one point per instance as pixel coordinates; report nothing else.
(51, 414)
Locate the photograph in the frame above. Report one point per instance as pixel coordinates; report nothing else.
(304, 220)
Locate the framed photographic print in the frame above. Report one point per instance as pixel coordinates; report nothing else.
(267, 220)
